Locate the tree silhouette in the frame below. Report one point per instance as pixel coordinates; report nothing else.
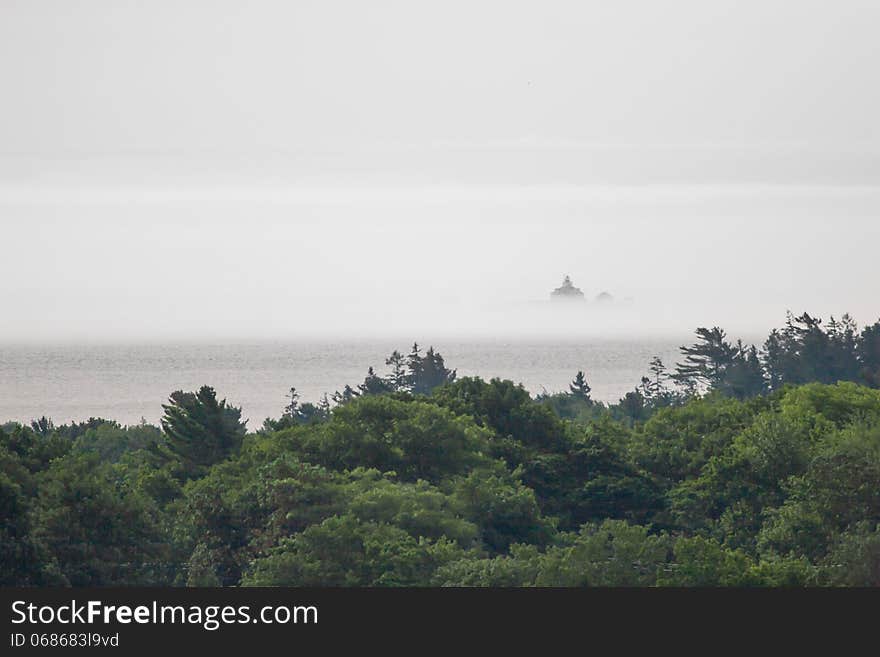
(374, 384)
(397, 380)
(579, 387)
(292, 409)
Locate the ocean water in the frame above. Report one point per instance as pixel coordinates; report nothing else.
(127, 382)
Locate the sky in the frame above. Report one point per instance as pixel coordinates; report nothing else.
(211, 169)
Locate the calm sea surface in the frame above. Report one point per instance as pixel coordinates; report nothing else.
(130, 382)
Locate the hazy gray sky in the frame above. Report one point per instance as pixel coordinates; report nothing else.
(195, 168)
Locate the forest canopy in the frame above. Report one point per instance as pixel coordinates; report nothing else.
(741, 466)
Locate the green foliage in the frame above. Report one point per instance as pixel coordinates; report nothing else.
(518, 569)
(676, 443)
(505, 510)
(96, 531)
(506, 409)
(854, 559)
(425, 373)
(345, 551)
(110, 442)
(580, 388)
(199, 430)
(612, 553)
(415, 439)
(35, 450)
(418, 478)
(22, 561)
(702, 562)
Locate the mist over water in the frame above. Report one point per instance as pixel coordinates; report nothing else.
(398, 266)
(108, 314)
(278, 197)
(130, 382)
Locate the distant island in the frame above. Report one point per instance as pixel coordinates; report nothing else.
(567, 291)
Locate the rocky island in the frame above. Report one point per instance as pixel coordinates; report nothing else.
(567, 291)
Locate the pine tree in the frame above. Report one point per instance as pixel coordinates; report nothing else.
(869, 355)
(706, 361)
(579, 388)
(414, 367)
(773, 358)
(44, 426)
(844, 350)
(744, 377)
(199, 430)
(348, 393)
(655, 389)
(374, 384)
(291, 411)
(324, 407)
(397, 380)
(428, 372)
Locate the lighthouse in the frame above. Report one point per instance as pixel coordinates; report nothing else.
(567, 291)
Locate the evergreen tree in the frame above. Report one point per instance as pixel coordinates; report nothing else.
(844, 349)
(869, 355)
(655, 386)
(773, 358)
(804, 352)
(199, 430)
(348, 393)
(324, 406)
(705, 362)
(428, 372)
(44, 426)
(654, 390)
(414, 368)
(291, 411)
(813, 350)
(397, 380)
(744, 377)
(374, 384)
(579, 388)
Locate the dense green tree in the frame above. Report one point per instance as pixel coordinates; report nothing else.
(344, 551)
(519, 568)
(869, 356)
(96, 531)
(744, 376)
(374, 384)
(416, 439)
(854, 558)
(397, 379)
(804, 351)
(425, 373)
(22, 559)
(111, 442)
(505, 510)
(705, 563)
(675, 443)
(706, 361)
(199, 430)
(507, 409)
(612, 553)
(34, 450)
